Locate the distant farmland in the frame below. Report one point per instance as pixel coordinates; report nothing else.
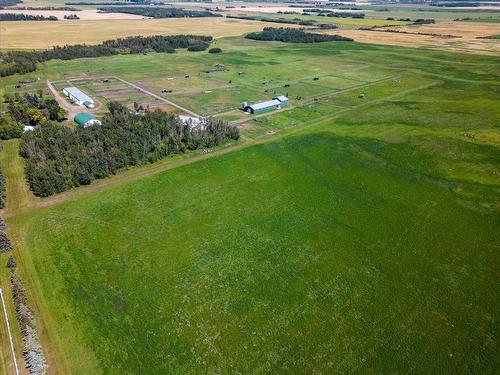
(24, 35)
(354, 232)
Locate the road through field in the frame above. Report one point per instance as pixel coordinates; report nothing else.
(70, 108)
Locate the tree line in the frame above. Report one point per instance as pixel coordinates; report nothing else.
(158, 12)
(59, 158)
(25, 17)
(69, 9)
(25, 61)
(289, 35)
(28, 109)
(114, 3)
(326, 13)
(293, 21)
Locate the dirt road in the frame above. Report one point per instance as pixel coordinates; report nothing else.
(73, 110)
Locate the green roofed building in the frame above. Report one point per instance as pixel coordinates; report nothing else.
(85, 119)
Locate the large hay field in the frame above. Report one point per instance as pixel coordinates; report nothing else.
(355, 232)
(42, 35)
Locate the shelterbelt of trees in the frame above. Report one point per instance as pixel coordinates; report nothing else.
(293, 21)
(114, 3)
(25, 17)
(159, 12)
(13, 62)
(59, 158)
(289, 35)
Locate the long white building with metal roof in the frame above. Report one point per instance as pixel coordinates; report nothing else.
(78, 97)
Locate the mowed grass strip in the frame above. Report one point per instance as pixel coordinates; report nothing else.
(315, 253)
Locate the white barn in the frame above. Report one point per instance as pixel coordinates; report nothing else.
(78, 97)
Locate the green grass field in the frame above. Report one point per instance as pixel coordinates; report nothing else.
(344, 235)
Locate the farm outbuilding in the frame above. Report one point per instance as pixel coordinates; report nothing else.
(277, 102)
(78, 97)
(85, 119)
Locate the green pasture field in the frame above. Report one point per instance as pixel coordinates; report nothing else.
(344, 234)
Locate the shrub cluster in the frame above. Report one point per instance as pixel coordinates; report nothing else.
(25, 17)
(29, 109)
(290, 35)
(25, 61)
(327, 26)
(157, 12)
(5, 244)
(215, 50)
(8, 128)
(59, 158)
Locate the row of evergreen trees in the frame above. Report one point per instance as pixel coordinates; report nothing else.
(59, 158)
(290, 35)
(25, 17)
(157, 12)
(25, 61)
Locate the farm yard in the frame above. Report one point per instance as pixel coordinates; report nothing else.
(215, 86)
(107, 89)
(359, 223)
(352, 230)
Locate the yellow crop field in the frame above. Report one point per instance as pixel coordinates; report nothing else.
(41, 35)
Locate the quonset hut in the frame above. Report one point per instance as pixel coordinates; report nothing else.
(277, 102)
(85, 120)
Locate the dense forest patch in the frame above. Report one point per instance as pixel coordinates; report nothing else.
(290, 35)
(59, 158)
